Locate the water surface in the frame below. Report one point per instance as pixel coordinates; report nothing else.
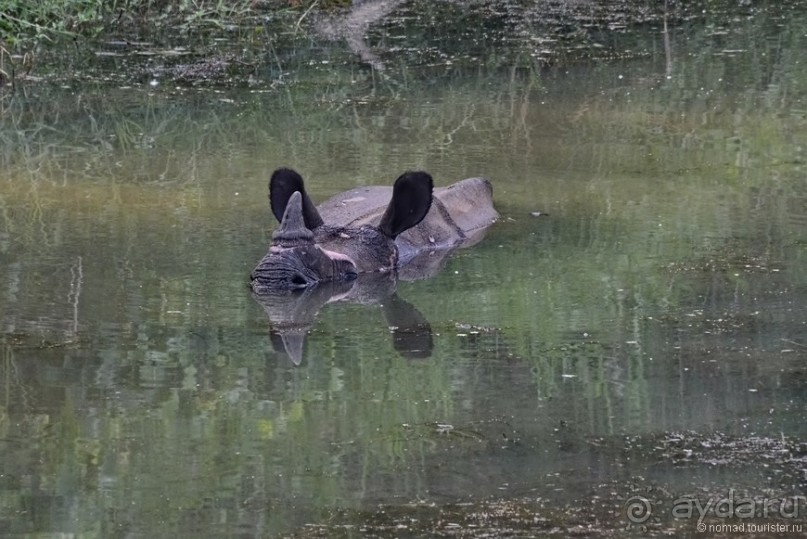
(660, 291)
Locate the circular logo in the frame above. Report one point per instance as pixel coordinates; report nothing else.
(638, 509)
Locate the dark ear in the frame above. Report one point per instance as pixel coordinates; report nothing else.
(411, 200)
(284, 183)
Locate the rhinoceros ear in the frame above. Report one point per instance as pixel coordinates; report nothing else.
(284, 183)
(411, 200)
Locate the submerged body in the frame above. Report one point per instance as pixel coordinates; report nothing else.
(368, 229)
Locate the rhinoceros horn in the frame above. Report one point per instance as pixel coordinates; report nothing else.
(292, 231)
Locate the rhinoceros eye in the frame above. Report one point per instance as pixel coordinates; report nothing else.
(298, 280)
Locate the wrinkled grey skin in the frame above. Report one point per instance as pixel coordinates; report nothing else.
(296, 259)
(369, 229)
(459, 217)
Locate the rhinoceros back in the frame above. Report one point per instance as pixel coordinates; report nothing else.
(357, 207)
(469, 203)
(459, 215)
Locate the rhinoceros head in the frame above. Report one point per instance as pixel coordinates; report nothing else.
(306, 251)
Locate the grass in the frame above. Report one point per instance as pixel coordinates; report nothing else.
(24, 25)
(32, 32)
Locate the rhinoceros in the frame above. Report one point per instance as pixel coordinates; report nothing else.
(369, 229)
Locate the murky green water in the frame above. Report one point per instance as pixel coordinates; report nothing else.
(661, 290)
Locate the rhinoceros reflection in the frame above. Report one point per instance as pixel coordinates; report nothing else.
(357, 245)
(294, 313)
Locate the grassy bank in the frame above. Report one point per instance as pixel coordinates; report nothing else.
(39, 39)
(24, 23)
(28, 28)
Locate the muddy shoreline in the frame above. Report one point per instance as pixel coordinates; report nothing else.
(634, 506)
(269, 46)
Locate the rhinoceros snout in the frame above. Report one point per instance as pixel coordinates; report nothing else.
(262, 283)
(282, 273)
(300, 267)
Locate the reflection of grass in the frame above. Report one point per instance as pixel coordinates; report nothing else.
(146, 153)
(129, 153)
